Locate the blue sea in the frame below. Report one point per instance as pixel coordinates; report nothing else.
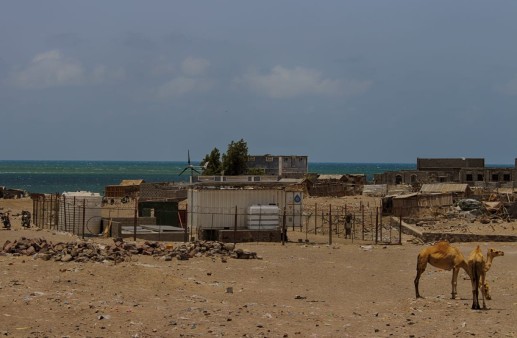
(61, 176)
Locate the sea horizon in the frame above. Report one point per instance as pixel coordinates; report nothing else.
(58, 176)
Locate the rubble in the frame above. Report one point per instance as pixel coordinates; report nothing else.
(120, 251)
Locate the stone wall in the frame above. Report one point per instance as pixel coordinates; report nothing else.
(163, 191)
(427, 237)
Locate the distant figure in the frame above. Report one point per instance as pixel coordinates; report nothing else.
(348, 225)
(6, 221)
(283, 235)
(26, 219)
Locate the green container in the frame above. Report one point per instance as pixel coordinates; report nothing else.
(166, 213)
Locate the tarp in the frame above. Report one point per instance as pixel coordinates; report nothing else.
(493, 207)
(469, 204)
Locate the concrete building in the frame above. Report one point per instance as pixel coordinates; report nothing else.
(471, 171)
(126, 188)
(292, 166)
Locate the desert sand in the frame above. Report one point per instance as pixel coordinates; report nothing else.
(300, 289)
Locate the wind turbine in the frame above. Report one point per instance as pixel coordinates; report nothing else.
(192, 167)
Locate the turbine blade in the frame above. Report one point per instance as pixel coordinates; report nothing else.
(188, 153)
(182, 171)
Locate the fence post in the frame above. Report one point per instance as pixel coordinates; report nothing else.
(316, 219)
(330, 224)
(50, 213)
(400, 230)
(362, 228)
(362, 220)
(376, 224)
(306, 228)
(64, 212)
(322, 223)
(84, 215)
(284, 229)
(235, 227)
(135, 219)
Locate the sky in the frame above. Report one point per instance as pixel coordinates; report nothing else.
(338, 81)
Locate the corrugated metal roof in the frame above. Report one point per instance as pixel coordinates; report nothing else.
(291, 180)
(405, 196)
(131, 182)
(375, 189)
(444, 187)
(330, 177)
(505, 190)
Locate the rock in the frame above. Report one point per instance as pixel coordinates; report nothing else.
(229, 246)
(85, 251)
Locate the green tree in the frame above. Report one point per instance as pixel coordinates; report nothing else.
(235, 161)
(212, 163)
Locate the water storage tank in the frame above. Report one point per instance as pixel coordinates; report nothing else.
(263, 217)
(78, 208)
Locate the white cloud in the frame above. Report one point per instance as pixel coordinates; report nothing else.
(49, 69)
(191, 81)
(194, 66)
(101, 74)
(182, 85)
(510, 88)
(285, 83)
(52, 69)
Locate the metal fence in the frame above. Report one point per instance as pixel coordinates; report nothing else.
(367, 223)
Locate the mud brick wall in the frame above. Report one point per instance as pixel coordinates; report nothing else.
(451, 237)
(241, 236)
(161, 191)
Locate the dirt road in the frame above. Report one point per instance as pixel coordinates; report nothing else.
(296, 290)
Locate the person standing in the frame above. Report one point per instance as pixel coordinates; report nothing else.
(348, 225)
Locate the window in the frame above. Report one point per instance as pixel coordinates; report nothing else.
(506, 177)
(480, 177)
(469, 178)
(495, 177)
(398, 179)
(269, 158)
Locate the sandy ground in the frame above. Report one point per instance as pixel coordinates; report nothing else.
(297, 290)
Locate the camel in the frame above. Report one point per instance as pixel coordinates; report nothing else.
(444, 256)
(478, 267)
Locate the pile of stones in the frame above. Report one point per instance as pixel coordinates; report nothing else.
(120, 251)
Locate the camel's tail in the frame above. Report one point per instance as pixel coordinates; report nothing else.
(476, 273)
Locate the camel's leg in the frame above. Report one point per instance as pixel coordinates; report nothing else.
(482, 293)
(454, 282)
(475, 301)
(475, 295)
(420, 268)
(417, 280)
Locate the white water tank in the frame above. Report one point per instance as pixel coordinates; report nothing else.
(263, 217)
(80, 210)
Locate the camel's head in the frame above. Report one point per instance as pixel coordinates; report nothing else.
(485, 288)
(494, 253)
